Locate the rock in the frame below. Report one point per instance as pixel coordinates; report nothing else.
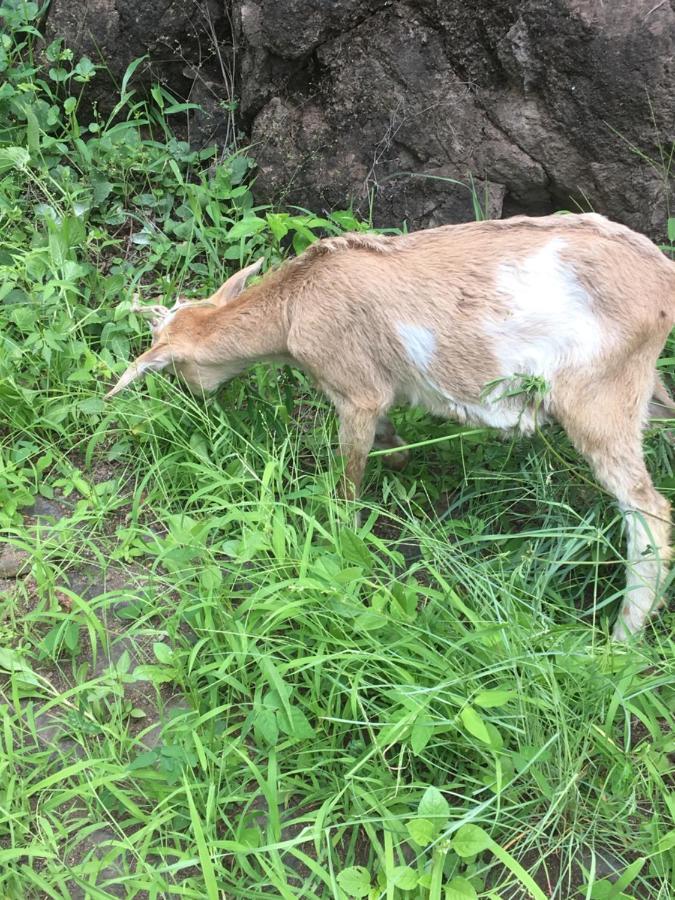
(50, 729)
(14, 562)
(42, 508)
(607, 863)
(45, 726)
(543, 104)
(539, 101)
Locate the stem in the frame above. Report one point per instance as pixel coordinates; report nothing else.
(437, 873)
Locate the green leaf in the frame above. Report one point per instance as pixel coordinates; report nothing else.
(275, 681)
(239, 166)
(496, 739)
(600, 890)
(131, 68)
(299, 726)
(211, 577)
(24, 317)
(245, 228)
(629, 875)
(101, 189)
(144, 760)
(474, 724)
(71, 636)
(155, 674)
(433, 805)
(355, 550)
(421, 734)
(30, 11)
(162, 652)
(17, 157)
(204, 848)
(355, 881)
(460, 889)
(156, 93)
(404, 878)
(470, 840)
(667, 842)
(422, 831)
(11, 661)
(91, 407)
(488, 699)
(515, 868)
(370, 621)
(265, 724)
(671, 230)
(277, 225)
(180, 107)
(58, 74)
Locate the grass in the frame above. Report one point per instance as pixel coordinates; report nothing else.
(255, 697)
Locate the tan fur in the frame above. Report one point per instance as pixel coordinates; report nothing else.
(439, 318)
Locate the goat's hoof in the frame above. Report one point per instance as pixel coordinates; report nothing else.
(620, 632)
(623, 632)
(397, 461)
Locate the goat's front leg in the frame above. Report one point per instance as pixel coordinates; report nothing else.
(357, 433)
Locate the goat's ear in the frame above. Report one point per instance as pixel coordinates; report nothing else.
(153, 360)
(236, 284)
(156, 313)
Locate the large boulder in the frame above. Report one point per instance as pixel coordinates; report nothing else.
(541, 105)
(417, 108)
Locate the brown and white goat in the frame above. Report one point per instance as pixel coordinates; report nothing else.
(439, 318)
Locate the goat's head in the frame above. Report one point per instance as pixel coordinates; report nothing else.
(171, 344)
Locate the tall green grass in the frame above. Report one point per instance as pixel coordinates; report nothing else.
(424, 705)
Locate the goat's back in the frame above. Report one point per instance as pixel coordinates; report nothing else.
(451, 309)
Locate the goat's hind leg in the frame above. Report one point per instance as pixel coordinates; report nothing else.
(614, 452)
(647, 515)
(648, 552)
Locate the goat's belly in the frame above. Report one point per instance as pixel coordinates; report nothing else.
(519, 413)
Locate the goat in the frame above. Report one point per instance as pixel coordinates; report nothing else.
(440, 318)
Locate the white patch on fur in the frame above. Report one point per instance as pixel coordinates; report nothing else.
(493, 412)
(549, 322)
(419, 343)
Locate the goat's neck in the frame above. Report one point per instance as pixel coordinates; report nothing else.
(251, 328)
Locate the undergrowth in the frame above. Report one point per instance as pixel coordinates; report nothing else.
(258, 698)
